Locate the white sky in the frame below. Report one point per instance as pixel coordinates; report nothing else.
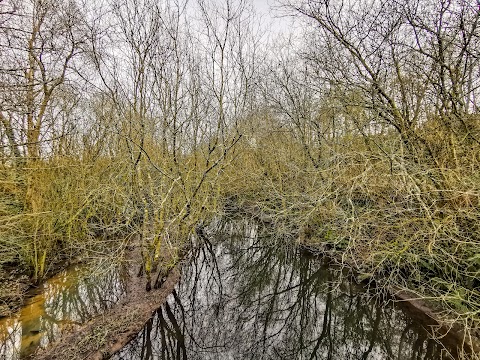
(262, 6)
(278, 24)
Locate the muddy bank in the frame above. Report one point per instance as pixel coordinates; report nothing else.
(430, 312)
(449, 331)
(107, 333)
(12, 294)
(16, 287)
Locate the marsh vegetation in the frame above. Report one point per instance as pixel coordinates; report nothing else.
(135, 122)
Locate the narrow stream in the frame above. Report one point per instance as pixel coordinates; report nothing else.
(247, 296)
(67, 300)
(243, 294)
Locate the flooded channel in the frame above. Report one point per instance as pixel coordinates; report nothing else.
(67, 300)
(244, 294)
(247, 295)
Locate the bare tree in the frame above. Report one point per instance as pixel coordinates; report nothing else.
(41, 44)
(412, 62)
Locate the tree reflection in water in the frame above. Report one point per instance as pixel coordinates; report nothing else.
(70, 298)
(247, 297)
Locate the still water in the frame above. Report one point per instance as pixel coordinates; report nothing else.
(244, 294)
(67, 300)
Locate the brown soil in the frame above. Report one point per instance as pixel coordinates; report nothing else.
(12, 294)
(16, 287)
(106, 334)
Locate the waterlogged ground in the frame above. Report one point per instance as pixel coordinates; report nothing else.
(67, 300)
(247, 296)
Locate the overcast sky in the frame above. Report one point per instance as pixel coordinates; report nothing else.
(270, 15)
(262, 6)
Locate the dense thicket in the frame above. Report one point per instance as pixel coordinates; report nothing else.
(358, 133)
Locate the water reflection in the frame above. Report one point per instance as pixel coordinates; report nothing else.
(249, 298)
(70, 298)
